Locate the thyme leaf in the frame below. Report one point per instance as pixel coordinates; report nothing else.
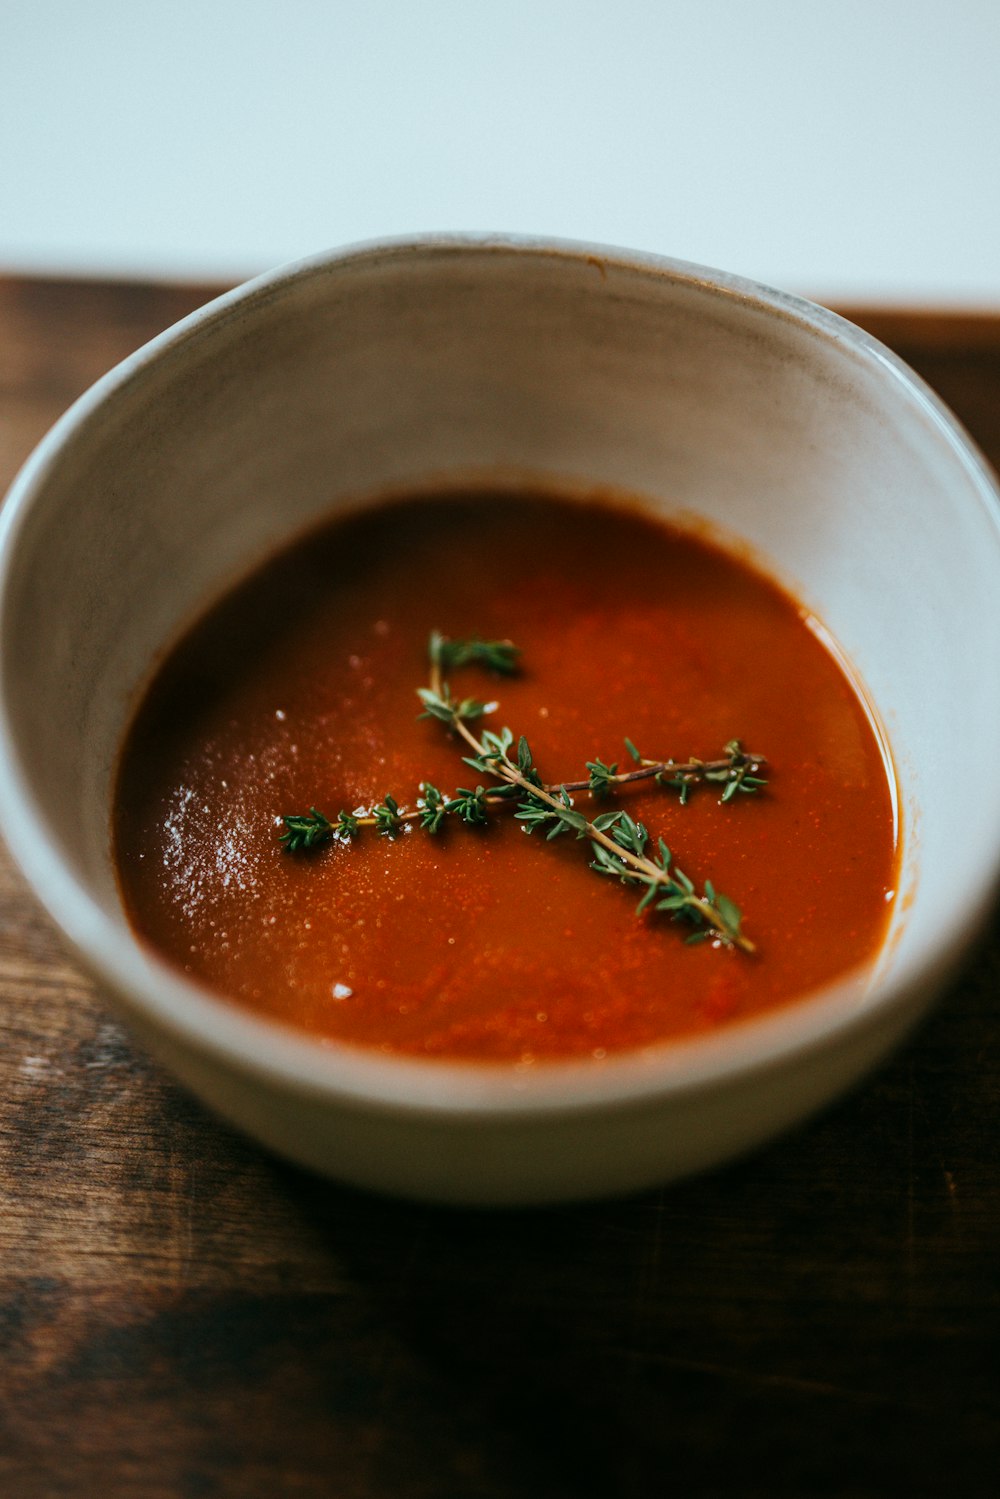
(304, 832)
(387, 819)
(497, 655)
(470, 806)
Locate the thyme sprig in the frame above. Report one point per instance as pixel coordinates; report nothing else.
(619, 844)
(735, 771)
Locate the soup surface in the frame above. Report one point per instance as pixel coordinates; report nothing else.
(298, 691)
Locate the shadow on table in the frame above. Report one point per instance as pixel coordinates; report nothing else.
(820, 1319)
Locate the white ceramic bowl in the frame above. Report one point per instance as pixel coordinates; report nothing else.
(444, 359)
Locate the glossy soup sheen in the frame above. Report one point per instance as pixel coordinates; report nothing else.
(299, 690)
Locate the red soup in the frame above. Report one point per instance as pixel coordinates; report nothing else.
(296, 699)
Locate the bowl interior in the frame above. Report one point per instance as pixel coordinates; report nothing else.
(776, 424)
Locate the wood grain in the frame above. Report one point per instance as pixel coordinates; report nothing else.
(181, 1315)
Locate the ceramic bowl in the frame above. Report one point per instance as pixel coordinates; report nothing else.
(372, 369)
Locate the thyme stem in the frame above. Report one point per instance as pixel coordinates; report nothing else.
(690, 772)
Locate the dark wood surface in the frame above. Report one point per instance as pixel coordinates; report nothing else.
(181, 1315)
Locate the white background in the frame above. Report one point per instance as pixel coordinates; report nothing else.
(843, 150)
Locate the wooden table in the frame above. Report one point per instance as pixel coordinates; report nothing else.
(181, 1315)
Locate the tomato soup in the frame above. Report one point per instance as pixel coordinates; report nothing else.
(298, 691)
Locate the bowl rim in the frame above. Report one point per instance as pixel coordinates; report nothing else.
(198, 1018)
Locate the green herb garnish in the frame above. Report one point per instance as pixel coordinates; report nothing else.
(619, 845)
(309, 831)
